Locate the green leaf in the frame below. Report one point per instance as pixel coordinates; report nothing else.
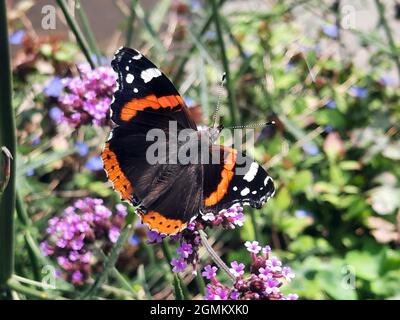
(301, 181)
(365, 264)
(283, 199)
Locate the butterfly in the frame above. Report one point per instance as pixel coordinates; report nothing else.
(169, 195)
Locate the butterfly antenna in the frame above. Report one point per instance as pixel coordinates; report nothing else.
(255, 125)
(221, 88)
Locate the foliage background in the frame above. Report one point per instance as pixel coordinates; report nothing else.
(334, 154)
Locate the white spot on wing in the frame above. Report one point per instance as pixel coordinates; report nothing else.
(249, 176)
(254, 192)
(267, 180)
(245, 192)
(110, 136)
(137, 57)
(135, 90)
(129, 78)
(127, 68)
(148, 74)
(234, 188)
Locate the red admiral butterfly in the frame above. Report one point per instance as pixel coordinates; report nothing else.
(169, 195)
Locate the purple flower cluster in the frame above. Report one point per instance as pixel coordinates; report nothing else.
(190, 238)
(70, 238)
(87, 97)
(229, 218)
(264, 282)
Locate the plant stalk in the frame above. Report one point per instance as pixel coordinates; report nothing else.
(7, 139)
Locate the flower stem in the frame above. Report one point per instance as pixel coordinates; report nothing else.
(109, 263)
(7, 139)
(77, 32)
(229, 84)
(87, 30)
(5, 168)
(200, 283)
(179, 71)
(389, 34)
(15, 285)
(218, 261)
(131, 21)
(31, 244)
(180, 294)
(122, 281)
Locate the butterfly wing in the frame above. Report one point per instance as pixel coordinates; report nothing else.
(145, 97)
(168, 194)
(235, 179)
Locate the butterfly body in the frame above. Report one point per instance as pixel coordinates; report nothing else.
(187, 174)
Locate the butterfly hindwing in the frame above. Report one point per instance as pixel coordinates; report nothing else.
(236, 179)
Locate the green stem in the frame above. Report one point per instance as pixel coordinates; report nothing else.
(122, 281)
(34, 253)
(179, 71)
(229, 84)
(200, 283)
(109, 263)
(87, 30)
(131, 21)
(7, 139)
(143, 15)
(389, 34)
(218, 261)
(180, 294)
(15, 285)
(77, 32)
(256, 231)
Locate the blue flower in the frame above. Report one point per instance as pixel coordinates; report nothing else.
(54, 88)
(17, 37)
(289, 66)
(328, 129)
(82, 148)
(196, 5)
(311, 149)
(210, 35)
(302, 213)
(134, 240)
(30, 172)
(330, 30)
(56, 114)
(102, 61)
(189, 101)
(331, 104)
(387, 80)
(359, 92)
(94, 164)
(36, 140)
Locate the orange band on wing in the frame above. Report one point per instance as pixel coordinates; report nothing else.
(157, 222)
(115, 174)
(130, 109)
(226, 177)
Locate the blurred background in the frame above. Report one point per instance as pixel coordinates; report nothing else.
(327, 72)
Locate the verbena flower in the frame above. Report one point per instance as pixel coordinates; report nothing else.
(209, 272)
(311, 149)
(252, 247)
(190, 237)
(179, 265)
(358, 92)
(94, 164)
(330, 30)
(263, 283)
(87, 98)
(70, 238)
